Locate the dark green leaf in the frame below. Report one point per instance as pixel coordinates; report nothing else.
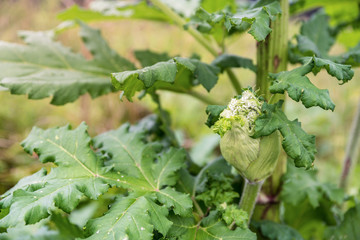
(318, 31)
(299, 86)
(257, 18)
(211, 228)
(65, 227)
(124, 160)
(342, 72)
(298, 145)
(307, 187)
(171, 75)
(213, 112)
(126, 219)
(317, 37)
(148, 58)
(276, 231)
(229, 60)
(348, 229)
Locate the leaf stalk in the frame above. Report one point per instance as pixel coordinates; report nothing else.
(206, 43)
(352, 150)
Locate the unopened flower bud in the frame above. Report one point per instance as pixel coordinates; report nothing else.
(254, 159)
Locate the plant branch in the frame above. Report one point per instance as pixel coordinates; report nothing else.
(197, 206)
(202, 98)
(352, 150)
(249, 195)
(165, 120)
(199, 96)
(234, 81)
(178, 20)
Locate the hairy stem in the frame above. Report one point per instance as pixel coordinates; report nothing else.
(352, 150)
(178, 20)
(249, 196)
(272, 58)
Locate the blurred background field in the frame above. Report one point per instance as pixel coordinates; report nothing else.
(18, 114)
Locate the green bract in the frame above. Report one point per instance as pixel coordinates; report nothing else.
(254, 159)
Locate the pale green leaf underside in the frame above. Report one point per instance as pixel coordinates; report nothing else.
(133, 11)
(298, 145)
(44, 68)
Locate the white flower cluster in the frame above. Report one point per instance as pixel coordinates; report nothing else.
(247, 108)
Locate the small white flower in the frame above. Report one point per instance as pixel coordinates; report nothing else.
(227, 113)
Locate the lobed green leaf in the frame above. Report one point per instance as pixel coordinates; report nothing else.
(307, 187)
(298, 145)
(177, 74)
(299, 87)
(211, 227)
(276, 231)
(44, 68)
(229, 61)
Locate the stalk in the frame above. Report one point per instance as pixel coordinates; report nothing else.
(178, 20)
(272, 58)
(165, 120)
(249, 196)
(352, 151)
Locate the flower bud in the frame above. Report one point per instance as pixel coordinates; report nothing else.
(254, 159)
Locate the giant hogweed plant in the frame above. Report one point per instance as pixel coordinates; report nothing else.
(262, 186)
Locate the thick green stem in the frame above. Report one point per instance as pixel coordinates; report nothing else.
(249, 196)
(178, 20)
(272, 53)
(272, 57)
(352, 151)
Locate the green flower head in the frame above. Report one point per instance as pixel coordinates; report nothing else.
(242, 110)
(254, 158)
